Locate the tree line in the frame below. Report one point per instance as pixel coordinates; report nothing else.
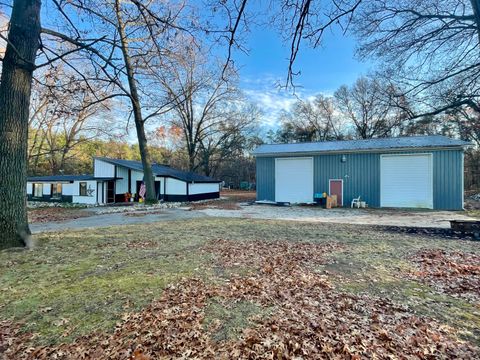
(369, 108)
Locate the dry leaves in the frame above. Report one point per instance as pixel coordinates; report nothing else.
(308, 318)
(55, 214)
(452, 272)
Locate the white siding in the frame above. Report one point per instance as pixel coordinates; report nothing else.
(92, 199)
(99, 193)
(176, 187)
(203, 188)
(47, 187)
(161, 180)
(67, 188)
(122, 184)
(103, 169)
(136, 176)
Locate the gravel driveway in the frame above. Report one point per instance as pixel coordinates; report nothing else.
(389, 217)
(115, 219)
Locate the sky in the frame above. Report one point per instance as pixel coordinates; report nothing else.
(323, 70)
(265, 67)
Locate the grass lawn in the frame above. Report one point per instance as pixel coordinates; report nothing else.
(474, 213)
(233, 288)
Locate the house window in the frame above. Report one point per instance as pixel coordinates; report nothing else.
(56, 191)
(83, 189)
(37, 190)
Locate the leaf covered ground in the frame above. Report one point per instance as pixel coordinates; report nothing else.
(48, 214)
(451, 272)
(229, 200)
(237, 289)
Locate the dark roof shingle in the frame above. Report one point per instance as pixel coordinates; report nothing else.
(161, 170)
(412, 142)
(60, 178)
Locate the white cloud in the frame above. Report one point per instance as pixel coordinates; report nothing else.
(271, 99)
(272, 103)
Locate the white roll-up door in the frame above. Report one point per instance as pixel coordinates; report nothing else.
(406, 181)
(294, 180)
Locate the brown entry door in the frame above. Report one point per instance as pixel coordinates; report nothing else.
(336, 188)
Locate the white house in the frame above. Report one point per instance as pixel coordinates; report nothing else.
(113, 178)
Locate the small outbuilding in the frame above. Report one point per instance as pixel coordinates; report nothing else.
(403, 172)
(114, 180)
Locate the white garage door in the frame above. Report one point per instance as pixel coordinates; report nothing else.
(294, 180)
(406, 181)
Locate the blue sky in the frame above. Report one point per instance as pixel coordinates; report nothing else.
(323, 69)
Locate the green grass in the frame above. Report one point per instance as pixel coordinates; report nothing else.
(227, 319)
(474, 213)
(74, 283)
(89, 278)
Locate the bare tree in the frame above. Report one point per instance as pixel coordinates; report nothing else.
(227, 140)
(62, 118)
(203, 102)
(312, 120)
(370, 107)
(132, 36)
(430, 48)
(300, 22)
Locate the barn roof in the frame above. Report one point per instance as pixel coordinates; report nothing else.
(161, 170)
(397, 143)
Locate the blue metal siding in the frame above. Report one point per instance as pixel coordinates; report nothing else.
(361, 176)
(448, 180)
(265, 178)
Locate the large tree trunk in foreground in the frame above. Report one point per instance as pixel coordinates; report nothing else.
(15, 89)
(476, 14)
(137, 109)
(145, 155)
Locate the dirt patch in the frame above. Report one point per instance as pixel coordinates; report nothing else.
(221, 204)
(239, 195)
(142, 244)
(452, 272)
(43, 215)
(387, 217)
(429, 232)
(307, 316)
(229, 200)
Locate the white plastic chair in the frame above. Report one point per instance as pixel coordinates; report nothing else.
(355, 202)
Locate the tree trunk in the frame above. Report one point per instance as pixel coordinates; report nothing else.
(191, 161)
(476, 14)
(145, 155)
(137, 110)
(15, 90)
